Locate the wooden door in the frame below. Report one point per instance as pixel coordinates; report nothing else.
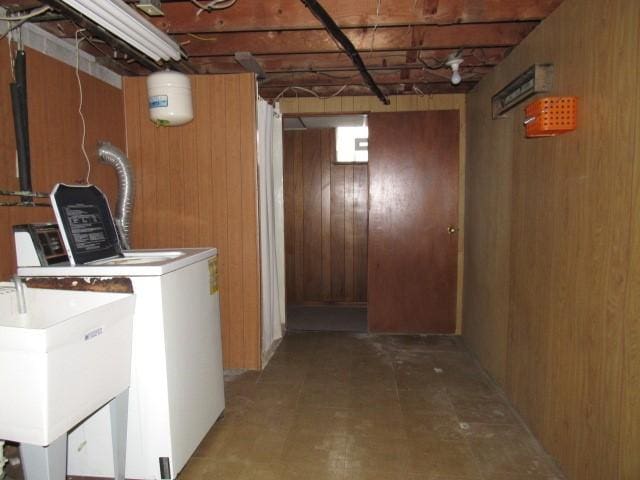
(413, 200)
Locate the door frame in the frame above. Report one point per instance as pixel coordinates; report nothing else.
(297, 106)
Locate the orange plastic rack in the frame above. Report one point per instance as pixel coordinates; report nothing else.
(551, 116)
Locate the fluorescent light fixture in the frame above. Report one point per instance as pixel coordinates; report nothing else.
(125, 23)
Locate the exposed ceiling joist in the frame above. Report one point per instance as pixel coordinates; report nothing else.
(359, 90)
(249, 64)
(335, 62)
(353, 78)
(364, 39)
(402, 43)
(339, 37)
(180, 16)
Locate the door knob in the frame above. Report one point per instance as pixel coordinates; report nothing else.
(451, 229)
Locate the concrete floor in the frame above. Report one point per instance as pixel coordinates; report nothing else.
(338, 406)
(344, 406)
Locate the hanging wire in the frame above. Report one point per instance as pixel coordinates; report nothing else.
(11, 57)
(418, 91)
(200, 37)
(439, 63)
(344, 78)
(375, 27)
(82, 120)
(18, 18)
(212, 5)
(16, 21)
(309, 91)
(12, 27)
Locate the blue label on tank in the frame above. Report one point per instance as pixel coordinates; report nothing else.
(158, 101)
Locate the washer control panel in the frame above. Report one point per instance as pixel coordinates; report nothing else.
(39, 245)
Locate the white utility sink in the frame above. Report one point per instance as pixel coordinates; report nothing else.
(62, 360)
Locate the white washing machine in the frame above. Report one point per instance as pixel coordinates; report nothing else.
(177, 389)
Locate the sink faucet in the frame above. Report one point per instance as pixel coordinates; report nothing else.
(20, 294)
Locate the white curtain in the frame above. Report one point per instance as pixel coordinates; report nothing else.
(271, 195)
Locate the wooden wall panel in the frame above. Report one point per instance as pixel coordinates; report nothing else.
(360, 227)
(326, 151)
(337, 243)
(402, 103)
(312, 233)
(552, 251)
(488, 211)
(197, 187)
(55, 136)
(325, 221)
(630, 414)
(365, 104)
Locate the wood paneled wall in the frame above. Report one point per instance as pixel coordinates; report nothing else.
(551, 303)
(365, 104)
(196, 186)
(401, 103)
(325, 221)
(55, 136)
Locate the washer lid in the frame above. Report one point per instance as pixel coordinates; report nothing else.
(85, 220)
(139, 263)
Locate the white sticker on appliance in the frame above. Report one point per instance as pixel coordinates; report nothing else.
(158, 101)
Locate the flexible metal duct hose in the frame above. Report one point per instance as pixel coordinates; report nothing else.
(111, 155)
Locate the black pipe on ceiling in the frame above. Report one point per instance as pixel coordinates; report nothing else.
(334, 30)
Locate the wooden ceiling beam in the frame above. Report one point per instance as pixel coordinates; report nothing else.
(410, 59)
(397, 39)
(182, 16)
(345, 43)
(335, 62)
(359, 90)
(228, 65)
(380, 77)
(381, 39)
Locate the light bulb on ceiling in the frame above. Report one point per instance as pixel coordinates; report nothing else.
(455, 77)
(454, 63)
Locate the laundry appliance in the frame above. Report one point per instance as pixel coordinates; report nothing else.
(177, 390)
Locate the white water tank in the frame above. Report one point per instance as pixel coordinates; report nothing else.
(169, 95)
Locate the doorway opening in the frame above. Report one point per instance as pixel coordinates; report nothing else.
(326, 182)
